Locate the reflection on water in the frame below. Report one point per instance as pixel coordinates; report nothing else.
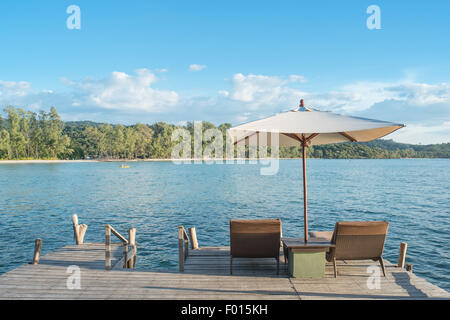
(37, 200)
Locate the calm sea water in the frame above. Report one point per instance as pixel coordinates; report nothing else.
(37, 201)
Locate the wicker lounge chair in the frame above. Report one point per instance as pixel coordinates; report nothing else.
(255, 239)
(355, 240)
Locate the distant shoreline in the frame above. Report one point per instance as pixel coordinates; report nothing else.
(180, 160)
(43, 161)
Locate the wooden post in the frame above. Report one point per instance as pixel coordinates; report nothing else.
(75, 219)
(402, 255)
(409, 267)
(194, 242)
(107, 247)
(132, 242)
(76, 232)
(180, 248)
(79, 230)
(37, 251)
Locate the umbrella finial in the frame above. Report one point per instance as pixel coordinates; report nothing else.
(302, 107)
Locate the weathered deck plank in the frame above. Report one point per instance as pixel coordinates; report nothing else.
(206, 276)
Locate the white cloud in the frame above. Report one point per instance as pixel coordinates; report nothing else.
(129, 98)
(422, 94)
(262, 91)
(423, 134)
(121, 91)
(22, 94)
(361, 96)
(243, 117)
(424, 108)
(297, 78)
(224, 93)
(196, 67)
(11, 89)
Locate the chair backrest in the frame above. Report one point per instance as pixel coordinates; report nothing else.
(255, 238)
(356, 240)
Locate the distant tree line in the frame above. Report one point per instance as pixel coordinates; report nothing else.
(29, 135)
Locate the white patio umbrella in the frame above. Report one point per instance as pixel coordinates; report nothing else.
(306, 127)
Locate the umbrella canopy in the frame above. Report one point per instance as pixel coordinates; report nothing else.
(305, 127)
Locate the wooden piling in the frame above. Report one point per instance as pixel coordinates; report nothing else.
(76, 234)
(402, 255)
(194, 242)
(37, 251)
(79, 230)
(409, 267)
(132, 242)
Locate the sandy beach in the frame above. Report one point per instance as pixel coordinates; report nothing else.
(128, 160)
(42, 161)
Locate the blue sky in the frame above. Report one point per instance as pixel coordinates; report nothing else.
(230, 61)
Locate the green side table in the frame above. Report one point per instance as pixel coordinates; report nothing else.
(306, 260)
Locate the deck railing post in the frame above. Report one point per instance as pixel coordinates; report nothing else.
(186, 245)
(132, 241)
(180, 248)
(125, 261)
(79, 230)
(37, 251)
(402, 255)
(125, 255)
(107, 247)
(194, 242)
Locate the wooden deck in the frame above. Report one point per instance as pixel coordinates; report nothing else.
(206, 276)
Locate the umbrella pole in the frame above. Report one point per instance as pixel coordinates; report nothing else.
(305, 199)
